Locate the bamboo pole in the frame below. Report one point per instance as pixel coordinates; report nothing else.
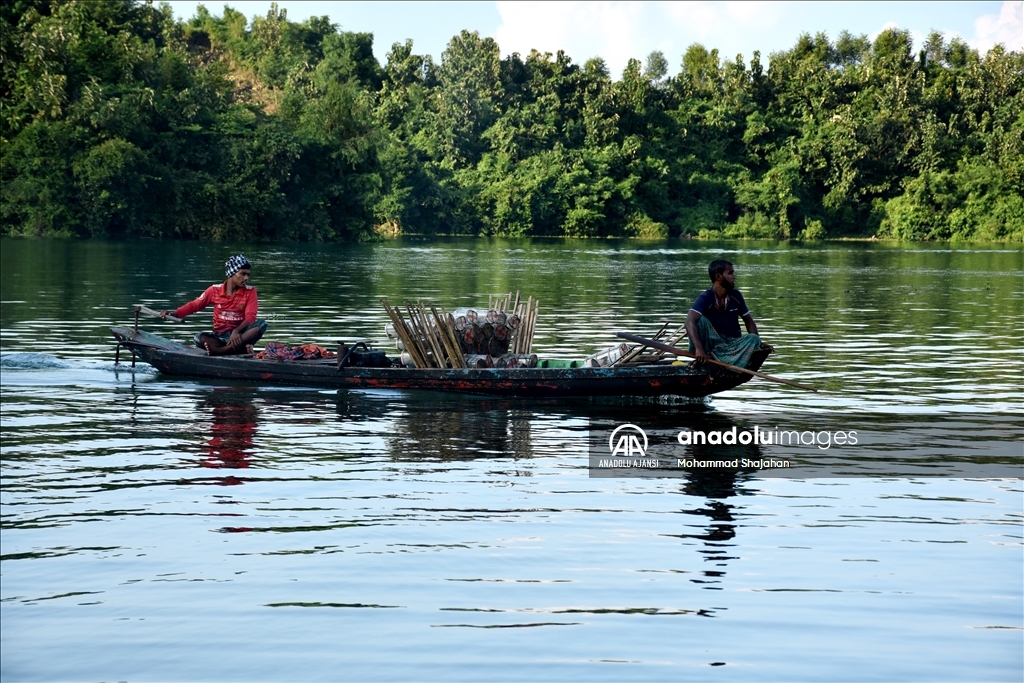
(146, 310)
(414, 334)
(533, 326)
(435, 343)
(524, 327)
(405, 334)
(637, 350)
(442, 338)
(399, 332)
(455, 338)
(421, 334)
(671, 340)
(522, 330)
(513, 345)
(526, 311)
(432, 339)
(436, 337)
(420, 337)
(451, 344)
(680, 334)
(442, 334)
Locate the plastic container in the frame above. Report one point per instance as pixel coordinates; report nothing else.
(605, 358)
(521, 360)
(559, 363)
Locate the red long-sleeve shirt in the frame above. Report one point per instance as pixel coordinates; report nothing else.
(228, 311)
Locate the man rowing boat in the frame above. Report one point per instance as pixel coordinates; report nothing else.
(713, 321)
(235, 327)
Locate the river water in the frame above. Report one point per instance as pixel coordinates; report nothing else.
(167, 529)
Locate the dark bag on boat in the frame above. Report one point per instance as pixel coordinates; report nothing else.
(365, 358)
(370, 359)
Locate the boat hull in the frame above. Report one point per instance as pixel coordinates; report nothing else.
(174, 359)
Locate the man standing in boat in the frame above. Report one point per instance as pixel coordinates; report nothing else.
(235, 327)
(713, 321)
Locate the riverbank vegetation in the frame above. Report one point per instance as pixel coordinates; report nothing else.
(118, 121)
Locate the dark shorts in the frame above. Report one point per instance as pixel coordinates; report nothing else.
(224, 337)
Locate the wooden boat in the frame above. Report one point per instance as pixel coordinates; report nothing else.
(655, 379)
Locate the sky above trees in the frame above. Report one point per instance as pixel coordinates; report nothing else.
(619, 31)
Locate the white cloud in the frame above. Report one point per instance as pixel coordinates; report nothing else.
(619, 31)
(1007, 28)
(761, 13)
(582, 29)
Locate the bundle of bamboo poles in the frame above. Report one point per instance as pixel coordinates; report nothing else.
(429, 339)
(503, 303)
(637, 355)
(526, 312)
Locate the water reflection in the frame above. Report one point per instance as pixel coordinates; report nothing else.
(719, 536)
(461, 429)
(229, 442)
(714, 523)
(465, 428)
(717, 486)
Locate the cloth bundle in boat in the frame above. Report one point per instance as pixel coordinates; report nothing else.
(279, 351)
(484, 332)
(732, 350)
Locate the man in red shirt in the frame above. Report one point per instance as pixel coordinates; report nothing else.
(235, 327)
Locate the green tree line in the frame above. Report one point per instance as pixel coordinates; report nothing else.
(119, 121)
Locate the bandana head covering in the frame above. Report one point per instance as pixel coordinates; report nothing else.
(235, 264)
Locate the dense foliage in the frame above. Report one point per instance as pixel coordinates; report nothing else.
(119, 121)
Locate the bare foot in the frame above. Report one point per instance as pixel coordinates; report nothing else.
(249, 348)
(216, 350)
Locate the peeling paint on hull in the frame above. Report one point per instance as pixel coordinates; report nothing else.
(172, 358)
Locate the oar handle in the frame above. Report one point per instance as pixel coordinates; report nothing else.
(139, 308)
(679, 352)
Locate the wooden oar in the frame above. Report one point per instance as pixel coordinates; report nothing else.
(139, 308)
(679, 352)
